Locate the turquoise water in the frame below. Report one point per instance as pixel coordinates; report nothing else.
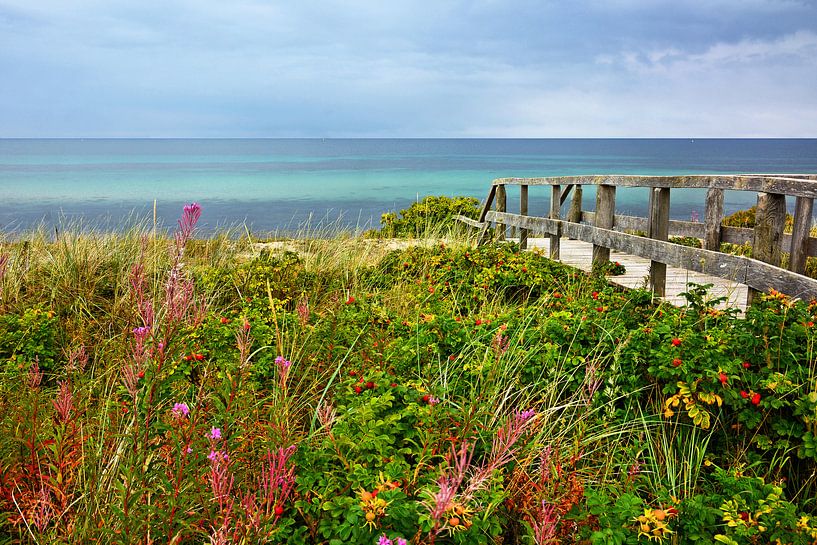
(280, 183)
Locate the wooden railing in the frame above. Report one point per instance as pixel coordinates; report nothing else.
(603, 227)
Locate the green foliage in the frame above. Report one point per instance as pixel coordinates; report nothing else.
(549, 400)
(28, 336)
(432, 213)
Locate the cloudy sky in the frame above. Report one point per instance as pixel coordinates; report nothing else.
(422, 68)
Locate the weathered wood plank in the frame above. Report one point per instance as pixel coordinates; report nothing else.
(713, 216)
(605, 214)
(523, 211)
(468, 221)
(799, 244)
(799, 185)
(659, 230)
(501, 206)
(756, 274)
(534, 224)
(555, 213)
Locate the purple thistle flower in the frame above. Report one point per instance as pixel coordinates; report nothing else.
(401, 541)
(384, 540)
(213, 456)
(215, 434)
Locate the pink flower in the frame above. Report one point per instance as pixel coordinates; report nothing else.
(215, 434)
(283, 363)
(180, 410)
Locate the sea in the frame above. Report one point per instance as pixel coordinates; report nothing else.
(287, 186)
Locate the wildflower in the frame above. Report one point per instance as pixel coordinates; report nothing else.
(213, 456)
(595, 295)
(677, 362)
(350, 300)
(35, 376)
(433, 400)
(756, 399)
(723, 378)
(384, 540)
(215, 434)
(746, 365)
(64, 401)
(526, 415)
(180, 410)
(303, 311)
(282, 363)
(676, 341)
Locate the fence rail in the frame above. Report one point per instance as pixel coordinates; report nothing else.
(603, 227)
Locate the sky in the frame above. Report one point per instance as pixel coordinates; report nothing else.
(397, 68)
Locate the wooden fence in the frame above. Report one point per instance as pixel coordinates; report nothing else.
(603, 227)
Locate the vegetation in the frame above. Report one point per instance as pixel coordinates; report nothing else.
(435, 213)
(185, 391)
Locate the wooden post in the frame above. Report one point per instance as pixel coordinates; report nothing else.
(575, 212)
(659, 230)
(713, 216)
(483, 232)
(605, 215)
(800, 233)
(501, 206)
(523, 211)
(555, 212)
(770, 218)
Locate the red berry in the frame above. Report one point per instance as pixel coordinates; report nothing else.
(723, 378)
(744, 515)
(746, 365)
(677, 362)
(744, 394)
(225, 320)
(187, 358)
(755, 399)
(676, 342)
(350, 300)
(279, 510)
(478, 322)
(352, 373)
(370, 385)
(595, 295)
(199, 357)
(358, 389)
(393, 385)
(600, 309)
(141, 374)
(426, 398)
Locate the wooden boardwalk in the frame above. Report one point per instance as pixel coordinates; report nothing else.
(580, 254)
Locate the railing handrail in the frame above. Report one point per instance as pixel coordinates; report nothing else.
(760, 273)
(796, 185)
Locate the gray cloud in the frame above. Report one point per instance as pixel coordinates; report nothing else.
(445, 68)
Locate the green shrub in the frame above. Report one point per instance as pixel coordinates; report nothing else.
(432, 213)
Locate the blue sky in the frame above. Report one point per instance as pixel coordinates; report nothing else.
(439, 68)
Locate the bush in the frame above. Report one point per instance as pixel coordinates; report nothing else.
(433, 212)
